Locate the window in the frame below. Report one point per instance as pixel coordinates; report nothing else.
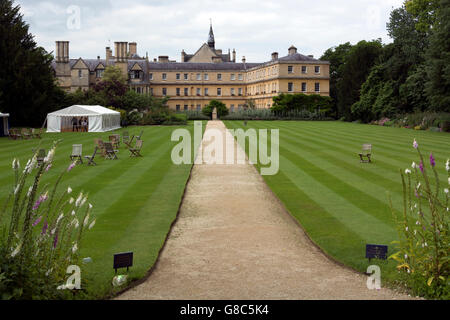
(317, 87)
(186, 76)
(138, 90)
(232, 108)
(186, 91)
(178, 91)
(303, 86)
(240, 91)
(186, 107)
(240, 107)
(206, 91)
(240, 77)
(232, 91)
(317, 69)
(290, 69)
(151, 91)
(150, 76)
(135, 74)
(198, 91)
(178, 107)
(205, 76)
(80, 74)
(164, 76)
(232, 76)
(219, 91)
(199, 107)
(164, 91)
(199, 76)
(99, 73)
(290, 87)
(219, 76)
(178, 76)
(304, 69)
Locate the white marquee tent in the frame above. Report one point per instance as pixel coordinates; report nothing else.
(100, 119)
(4, 126)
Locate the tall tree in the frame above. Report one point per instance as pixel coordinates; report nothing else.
(424, 12)
(337, 57)
(360, 60)
(437, 87)
(27, 83)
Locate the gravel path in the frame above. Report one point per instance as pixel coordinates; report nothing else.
(234, 240)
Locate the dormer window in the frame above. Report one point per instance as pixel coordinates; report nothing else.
(80, 73)
(99, 73)
(135, 74)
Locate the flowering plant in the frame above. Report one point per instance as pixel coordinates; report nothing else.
(41, 232)
(424, 245)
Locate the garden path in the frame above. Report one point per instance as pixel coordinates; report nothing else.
(234, 240)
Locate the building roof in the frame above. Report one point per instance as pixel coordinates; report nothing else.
(82, 111)
(188, 66)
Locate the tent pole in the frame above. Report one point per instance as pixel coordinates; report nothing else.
(45, 121)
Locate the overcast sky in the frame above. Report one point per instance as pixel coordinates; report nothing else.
(256, 28)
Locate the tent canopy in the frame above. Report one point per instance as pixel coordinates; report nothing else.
(100, 119)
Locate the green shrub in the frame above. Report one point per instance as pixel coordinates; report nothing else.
(196, 115)
(220, 107)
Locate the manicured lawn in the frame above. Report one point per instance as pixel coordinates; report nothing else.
(340, 202)
(135, 200)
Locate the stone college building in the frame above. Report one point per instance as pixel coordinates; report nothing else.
(207, 74)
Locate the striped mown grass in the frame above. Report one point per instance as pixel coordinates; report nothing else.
(135, 200)
(342, 203)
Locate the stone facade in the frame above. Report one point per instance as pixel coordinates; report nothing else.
(200, 77)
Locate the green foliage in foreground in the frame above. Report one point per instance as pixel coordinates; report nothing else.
(342, 203)
(424, 246)
(134, 200)
(300, 101)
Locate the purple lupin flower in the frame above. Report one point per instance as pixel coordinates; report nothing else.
(36, 222)
(48, 167)
(415, 144)
(432, 161)
(416, 193)
(421, 166)
(44, 228)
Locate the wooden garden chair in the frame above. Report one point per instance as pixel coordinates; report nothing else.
(99, 143)
(366, 153)
(91, 158)
(13, 134)
(110, 152)
(36, 133)
(139, 137)
(129, 142)
(136, 151)
(26, 133)
(125, 137)
(77, 152)
(113, 140)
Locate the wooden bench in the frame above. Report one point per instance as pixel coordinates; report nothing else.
(366, 153)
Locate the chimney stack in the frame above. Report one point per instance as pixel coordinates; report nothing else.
(62, 51)
(234, 55)
(183, 56)
(243, 59)
(274, 56)
(292, 50)
(311, 55)
(121, 49)
(133, 48)
(108, 55)
(163, 59)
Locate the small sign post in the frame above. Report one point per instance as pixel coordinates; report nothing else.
(123, 260)
(376, 251)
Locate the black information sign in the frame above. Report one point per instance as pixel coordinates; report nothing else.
(123, 260)
(376, 251)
